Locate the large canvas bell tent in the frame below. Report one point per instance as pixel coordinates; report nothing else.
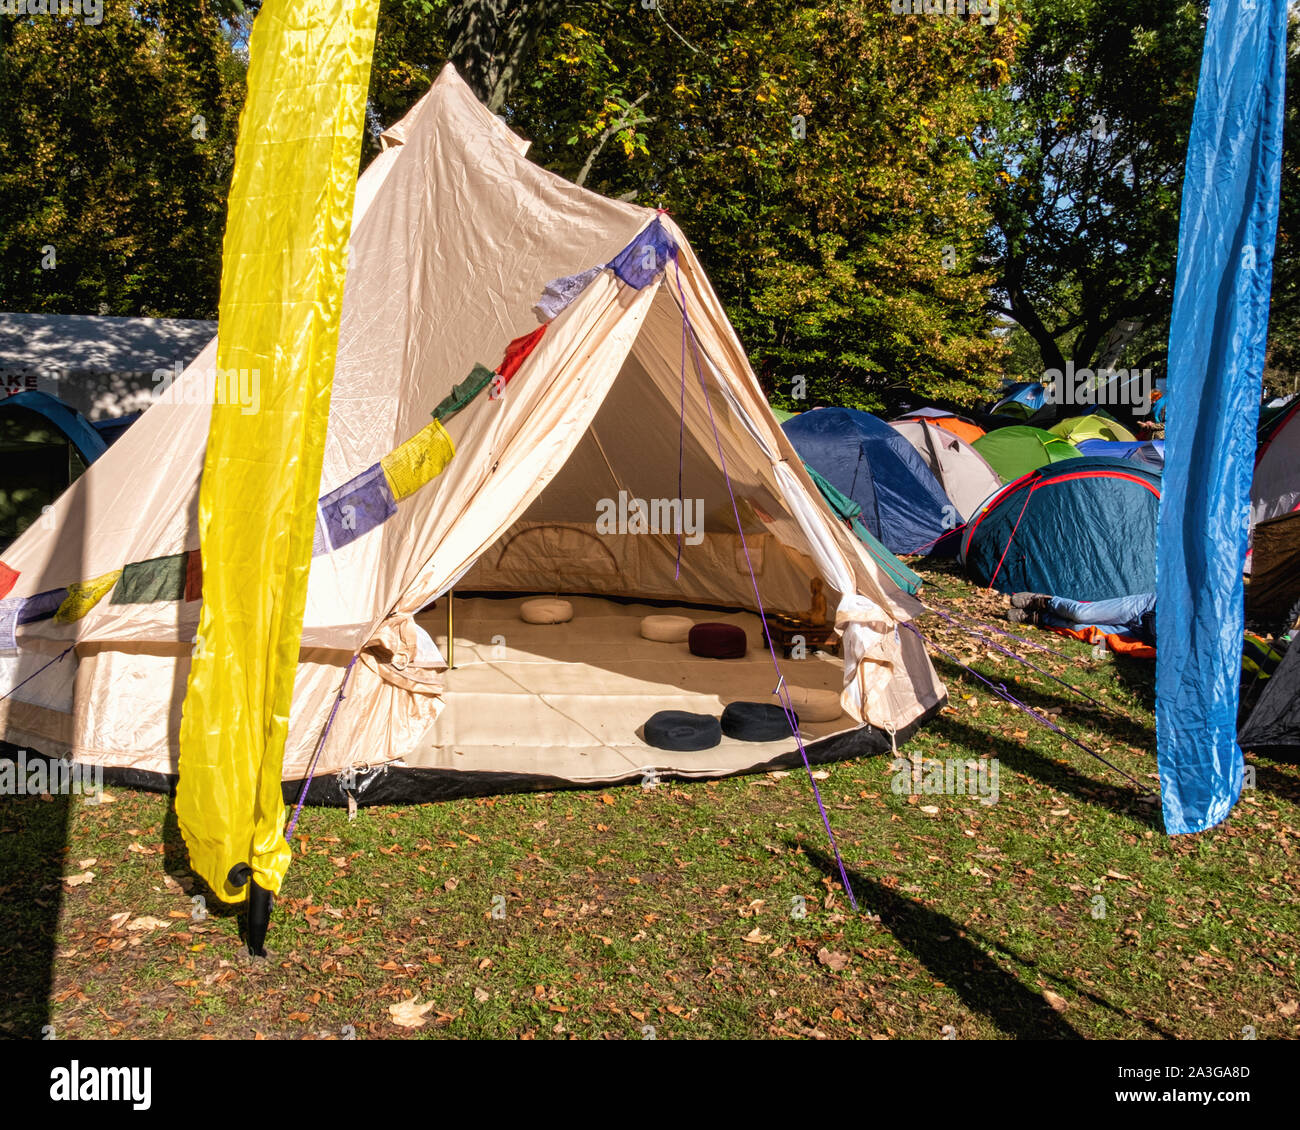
(520, 484)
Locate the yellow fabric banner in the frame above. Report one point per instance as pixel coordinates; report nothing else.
(419, 459)
(84, 595)
(283, 265)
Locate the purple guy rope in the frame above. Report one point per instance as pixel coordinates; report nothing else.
(786, 704)
(1002, 692)
(38, 670)
(1031, 643)
(1021, 659)
(681, 434)
(320, 745)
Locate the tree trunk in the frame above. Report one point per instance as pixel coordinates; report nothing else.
(490, 41)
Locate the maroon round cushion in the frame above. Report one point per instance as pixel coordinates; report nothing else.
(717, 641)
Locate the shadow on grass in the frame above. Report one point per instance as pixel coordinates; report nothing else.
(1150, 1025)
(1139, 675)
(983, 985)
(1122, 797)
(1272, 778)
(33, 843)
(1046, 695)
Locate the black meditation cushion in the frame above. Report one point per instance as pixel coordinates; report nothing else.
(717, 641)
(756, 722)
(676, 729)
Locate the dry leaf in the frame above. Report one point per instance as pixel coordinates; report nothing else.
(409, 1014)
(481, 994)
(832, 959)
(1054, 999)
(757, 937)
(147, 922)
(78, 880)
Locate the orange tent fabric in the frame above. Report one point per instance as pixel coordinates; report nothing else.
(962, 429)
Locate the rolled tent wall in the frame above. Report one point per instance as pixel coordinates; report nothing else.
(455, 234)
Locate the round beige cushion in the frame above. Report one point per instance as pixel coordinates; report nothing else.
(666, 629)
(814, 705)
(546, 610)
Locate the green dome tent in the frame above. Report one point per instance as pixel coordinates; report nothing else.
(1017, 450)
(1095, 426)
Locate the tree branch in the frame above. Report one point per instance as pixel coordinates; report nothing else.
(625, 122)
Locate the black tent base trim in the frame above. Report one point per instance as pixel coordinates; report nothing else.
(1273, 728)
(393, 784)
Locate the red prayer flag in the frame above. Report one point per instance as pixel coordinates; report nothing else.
(7, 579)
(517, 350)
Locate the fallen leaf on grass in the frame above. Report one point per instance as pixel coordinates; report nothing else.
(1055, 1000)
(757, 937)
(481, 994)
(78, 880)
(409, 1014)
(147, 922)
(832, 959)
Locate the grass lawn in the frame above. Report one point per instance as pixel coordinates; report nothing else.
(1061, 910)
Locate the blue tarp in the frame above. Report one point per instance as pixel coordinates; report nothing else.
(1149, 453)
(1216, 362)
(864, 458)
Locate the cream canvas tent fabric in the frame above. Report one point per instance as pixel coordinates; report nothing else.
(455, 235)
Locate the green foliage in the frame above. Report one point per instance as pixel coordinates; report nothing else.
(1282, 374)
(843, 243)
(100, 159)
(1091, 152)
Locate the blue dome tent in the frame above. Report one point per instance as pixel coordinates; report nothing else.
(865, 459)
(1083, 529)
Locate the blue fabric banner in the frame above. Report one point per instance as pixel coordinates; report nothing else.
(642, 259)
(355, 508)
(1216, 363)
